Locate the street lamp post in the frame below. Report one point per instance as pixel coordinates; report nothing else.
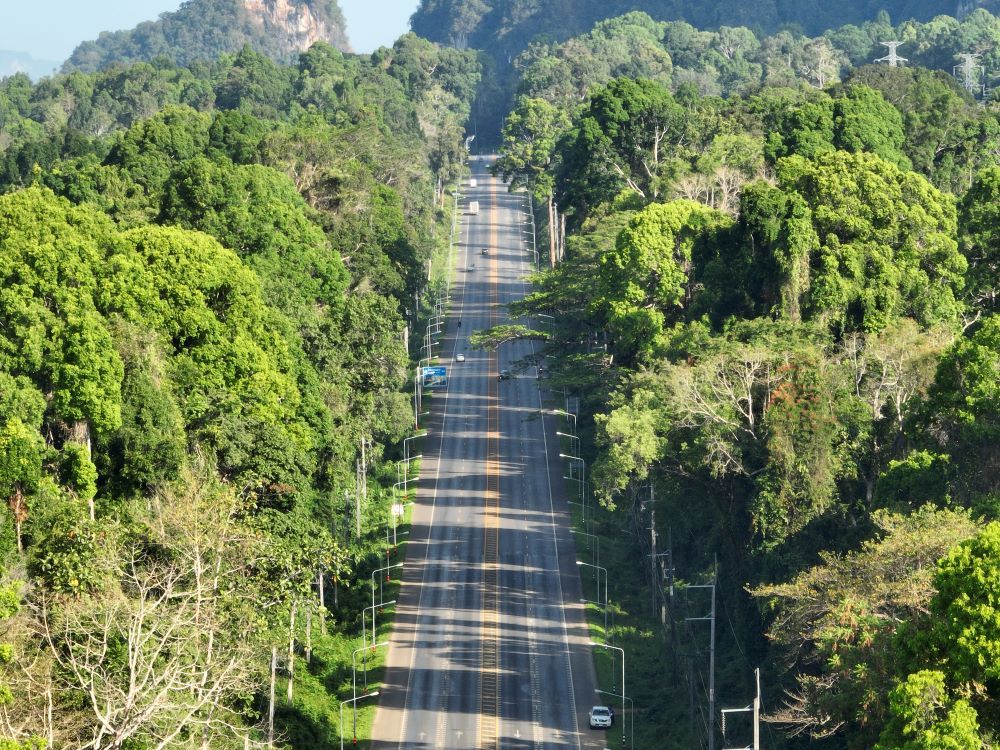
(599, 568)
(586, 517)
(364, 631)
(454, 231)
(534, 236)
(429, 346)
(616, 648)
(571, 437)
(416, 399)
(386, 569)
(406, 473)
(567, 414)
(406, 447)
(595, 554)
(364, 661)
(583, 473)
(631, 711)
(355, 702)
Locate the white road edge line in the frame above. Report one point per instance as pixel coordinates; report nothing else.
(434, 497)
(555, 544)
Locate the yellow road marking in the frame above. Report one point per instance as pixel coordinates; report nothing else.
(489, 713)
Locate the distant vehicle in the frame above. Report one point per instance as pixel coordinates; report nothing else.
(486, 251)
(474, 207)
(504, 375)
(601, 717)
(459, 357)
(472, 267)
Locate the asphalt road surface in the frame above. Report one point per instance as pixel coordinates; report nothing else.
(489, 648)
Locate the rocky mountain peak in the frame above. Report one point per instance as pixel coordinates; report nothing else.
(297, 23)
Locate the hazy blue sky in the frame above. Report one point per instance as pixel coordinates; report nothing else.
(50, 29)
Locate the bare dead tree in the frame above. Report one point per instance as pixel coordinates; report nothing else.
(144, 661)
(162, 655)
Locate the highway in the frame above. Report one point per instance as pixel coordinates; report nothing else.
(489, 648)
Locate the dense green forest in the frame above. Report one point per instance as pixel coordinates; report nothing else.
(207, 275)
(505, 27)
(724, 61)
(776, 296)
(201, 30)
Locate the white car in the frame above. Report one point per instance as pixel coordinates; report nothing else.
(600, 717)
(459, 357)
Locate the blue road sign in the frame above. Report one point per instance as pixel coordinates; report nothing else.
(435, 377)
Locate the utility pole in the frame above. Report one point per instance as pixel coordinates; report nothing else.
(753, 708)
(270, 706)
(652, 540)
(711, 654)
(668, 605)
(711, 665)
(347, 516)
(357, 495)
(893, 59)
(756, 711)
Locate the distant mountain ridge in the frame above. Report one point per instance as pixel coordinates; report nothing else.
(204, 29)
(21, 62)
(506, 27)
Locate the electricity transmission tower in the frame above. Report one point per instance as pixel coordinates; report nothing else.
(971, 75)
(892, 58)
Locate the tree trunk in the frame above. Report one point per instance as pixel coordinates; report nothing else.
(270, 707)
(562, 237)
(19, 508)
(309, 635)
(79, 432)
(553, 211)
(322, 601)
(291, 652)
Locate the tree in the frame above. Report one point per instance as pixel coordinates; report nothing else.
(622, 141)
(865, 121)
(151, 447)
(886, 242)
(643, 281)
(961, 416)
(51, 331)
(20, 470)
(234, 368)
(256, 212)
(978, 225)
(530, 134)
(168, 648)
(925, 716)
(806, 129)
(837, 621)
(948, 138)
(966, 608)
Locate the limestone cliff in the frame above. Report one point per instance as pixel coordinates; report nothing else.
(298, 24)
